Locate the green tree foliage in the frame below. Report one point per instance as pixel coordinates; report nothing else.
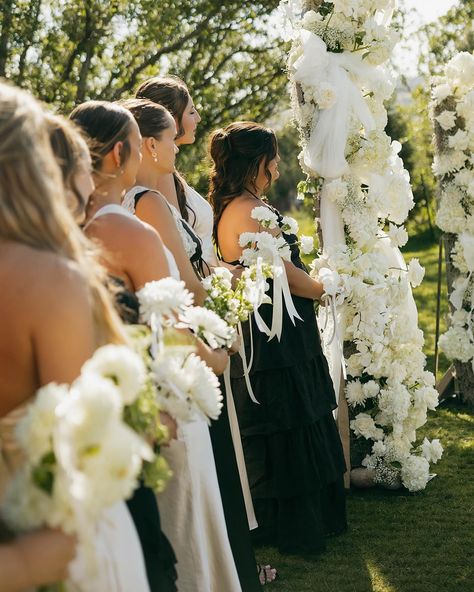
(69, 51)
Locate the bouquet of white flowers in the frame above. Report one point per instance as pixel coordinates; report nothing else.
(185, 387)
(79, 455)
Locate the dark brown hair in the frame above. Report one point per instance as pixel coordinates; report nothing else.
(172, 93)
(151, 118)
(70, 149)
(237, 152)
(105, 124)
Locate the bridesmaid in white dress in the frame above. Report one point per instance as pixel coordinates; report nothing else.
(193, 516)
(54, 312)
(172, 93)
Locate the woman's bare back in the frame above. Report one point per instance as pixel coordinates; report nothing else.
(46, 322)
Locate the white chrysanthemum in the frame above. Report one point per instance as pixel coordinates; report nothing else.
(122, 366)
(209, 326)
(416, 273)
(112, 474)
(415, 473)
(35, 429)
(163, 298)
(266, 217)
(446, 119)
(187, 388)
(355, 393)
(432, 451)
(306, 244)
(24, 506)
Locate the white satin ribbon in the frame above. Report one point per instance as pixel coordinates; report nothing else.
(246, 367)
(239, 453)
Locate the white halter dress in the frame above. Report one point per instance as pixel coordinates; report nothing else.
(191, 511)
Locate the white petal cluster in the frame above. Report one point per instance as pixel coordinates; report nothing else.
(266, 217)
(163, 298)
(387, 384)
(454, 166)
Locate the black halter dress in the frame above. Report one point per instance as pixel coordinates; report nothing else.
(292, 447)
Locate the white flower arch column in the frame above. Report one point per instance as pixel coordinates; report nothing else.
(452, 110)
(340, 80)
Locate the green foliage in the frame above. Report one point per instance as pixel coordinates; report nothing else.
(70, 51)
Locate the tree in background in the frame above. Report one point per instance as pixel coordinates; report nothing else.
(70, 51)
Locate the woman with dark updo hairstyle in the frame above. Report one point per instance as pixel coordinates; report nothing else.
(291, 443)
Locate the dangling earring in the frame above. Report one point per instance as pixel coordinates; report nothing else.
(153, 154)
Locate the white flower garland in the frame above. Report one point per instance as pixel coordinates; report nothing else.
(340, 82)
(452, 111)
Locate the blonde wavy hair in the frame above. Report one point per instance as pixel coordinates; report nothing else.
(33, 207)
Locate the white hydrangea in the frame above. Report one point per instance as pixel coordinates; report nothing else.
(415, 473)
(456, 344)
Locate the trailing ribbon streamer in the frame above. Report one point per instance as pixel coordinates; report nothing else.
(281, 292)
(239, 453)
(244, 363)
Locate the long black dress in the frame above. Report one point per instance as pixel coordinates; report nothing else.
(158, 554)
(226, 467)
(292, 447)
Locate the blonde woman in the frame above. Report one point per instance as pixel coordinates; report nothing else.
(54, 312)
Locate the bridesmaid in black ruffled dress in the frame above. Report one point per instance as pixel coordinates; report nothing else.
(291, 443)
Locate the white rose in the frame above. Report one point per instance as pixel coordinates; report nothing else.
(336, 190)
(446, 119)
(289, 225)
(398, 235)
(467, 243)
(364, 425)
(306, 244)
(266, 217)
(441, 92)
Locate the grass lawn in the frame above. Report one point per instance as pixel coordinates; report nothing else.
(401, 542)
